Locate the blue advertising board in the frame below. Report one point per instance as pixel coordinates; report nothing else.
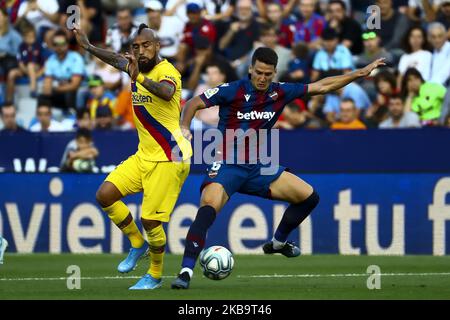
(317, 151)
(374, 214)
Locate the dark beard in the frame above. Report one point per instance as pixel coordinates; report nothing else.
(146, 67)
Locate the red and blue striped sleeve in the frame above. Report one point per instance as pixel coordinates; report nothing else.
(218, 96)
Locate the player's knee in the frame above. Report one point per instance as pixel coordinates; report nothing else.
(312, 201)
(103, 198)
(150, 225)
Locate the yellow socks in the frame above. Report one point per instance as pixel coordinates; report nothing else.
(119, 213)
(157, 241)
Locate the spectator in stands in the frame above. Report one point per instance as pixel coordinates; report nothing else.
(64, 71)
(10, 41)
(196, 27)
(443, 15)
(209, 117)
(268, 38)
(124, 109)
(351, 91)
(31, 60)
(348, 30)
(11, 8)
(178, 8)
(8, 116)
(91, 14)
(420, 10)
(333, 56)
(42, 14)
(386, 87)
(348, 117)
(417, 54)
(80, 153)
(310, 26)
(440, 63)
(410, 86)
(241, 35)
(104, 119)
(286, 6)
(373, 50)
(118, 35)
(394, 25)
(294, 116)
(113, 79)
(84, 119)
(219, 11)
(398, 118)
(168, 28)
(298, 67)
(204, 57)
(99, 97)
(284, 27)
(45, 121)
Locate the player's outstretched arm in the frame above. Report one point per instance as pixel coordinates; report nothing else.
(331, 84)
(189, 110)
(110, 57)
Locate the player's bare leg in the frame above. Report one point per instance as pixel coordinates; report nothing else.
(109, 198)
(303, 199)
(157, 242)
(212, 201)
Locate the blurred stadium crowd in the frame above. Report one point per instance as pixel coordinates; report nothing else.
(47, 83)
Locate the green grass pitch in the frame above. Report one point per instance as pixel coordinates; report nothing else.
(43, 276)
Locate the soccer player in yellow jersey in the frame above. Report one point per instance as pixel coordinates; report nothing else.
(160, 166)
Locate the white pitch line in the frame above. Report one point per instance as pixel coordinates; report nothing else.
(333, 275)
(343, 275)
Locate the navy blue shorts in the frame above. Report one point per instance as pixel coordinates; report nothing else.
(242, 178)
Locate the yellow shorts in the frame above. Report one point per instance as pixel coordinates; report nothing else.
(161, 183)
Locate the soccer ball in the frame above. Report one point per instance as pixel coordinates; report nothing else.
(216, 262)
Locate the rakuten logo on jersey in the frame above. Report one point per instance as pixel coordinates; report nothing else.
(255, 115)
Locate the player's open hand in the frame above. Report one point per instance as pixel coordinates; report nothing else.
(81, 37)
(367, 70)
(133, 67)
(186, 132)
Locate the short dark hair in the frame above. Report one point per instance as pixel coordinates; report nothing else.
(60, 33)
(3, 11)
(142, 26)
(43, 101)
(266, 29)
(83, 133)
(387, 76)
(6, 104)
(81, 112)
(340, 2)
(395, 96)
(349, 100)
(265, 55)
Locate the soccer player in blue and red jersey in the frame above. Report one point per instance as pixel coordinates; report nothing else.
(253, 103)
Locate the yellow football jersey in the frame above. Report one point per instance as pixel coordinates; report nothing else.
(157, 120)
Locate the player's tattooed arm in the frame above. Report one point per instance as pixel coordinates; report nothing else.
(164, 90)
(110, 57)
(331, 84)
(114, 59)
